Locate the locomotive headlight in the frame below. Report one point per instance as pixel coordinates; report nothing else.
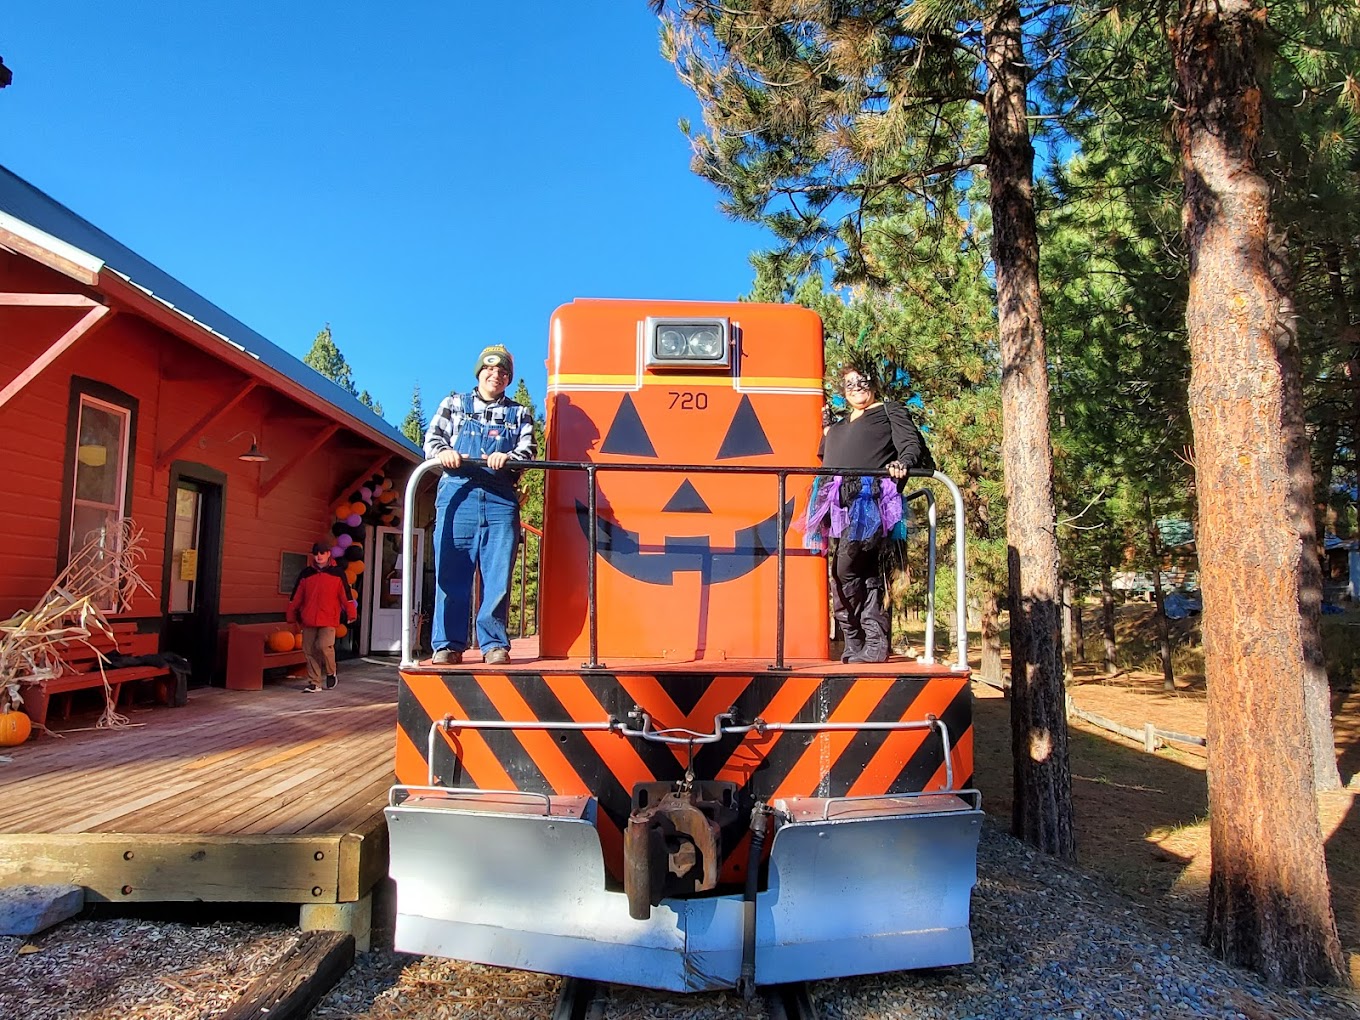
(672, 343)
(706, 344)
(688, 343)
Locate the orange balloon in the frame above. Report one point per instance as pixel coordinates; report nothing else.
(342, 511)
(358, 507)
(357, 566)
(341, 630)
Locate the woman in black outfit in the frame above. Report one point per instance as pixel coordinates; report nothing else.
(854, 514)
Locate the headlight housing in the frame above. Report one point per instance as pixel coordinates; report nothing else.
(688, 342)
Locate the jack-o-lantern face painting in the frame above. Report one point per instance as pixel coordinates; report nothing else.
(625, 550)
(685, 563)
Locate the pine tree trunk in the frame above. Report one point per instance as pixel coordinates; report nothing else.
(1042, 811)
(1107, 622)
(991, 637)
(1269, 906)
(1078, 630)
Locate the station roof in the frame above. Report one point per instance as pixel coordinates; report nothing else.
(34, 223)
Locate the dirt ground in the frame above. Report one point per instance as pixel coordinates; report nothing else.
(1142, 819)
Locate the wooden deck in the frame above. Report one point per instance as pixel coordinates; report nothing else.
(251, 796)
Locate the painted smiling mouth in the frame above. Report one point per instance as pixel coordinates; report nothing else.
(623, 550)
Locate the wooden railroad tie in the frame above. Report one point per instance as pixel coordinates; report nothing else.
(299, 981)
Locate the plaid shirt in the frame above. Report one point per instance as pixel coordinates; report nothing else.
(448, 420)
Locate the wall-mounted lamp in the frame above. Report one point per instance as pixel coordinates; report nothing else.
(254, 454)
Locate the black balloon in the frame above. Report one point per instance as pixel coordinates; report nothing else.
(354, 552)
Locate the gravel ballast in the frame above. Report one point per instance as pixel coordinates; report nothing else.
(1050, 941)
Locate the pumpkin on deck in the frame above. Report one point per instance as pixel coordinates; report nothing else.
(14, 728)
(280, 641)
(297, 641)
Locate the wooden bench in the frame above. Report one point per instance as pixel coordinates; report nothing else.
(83, 673)
(248, 656)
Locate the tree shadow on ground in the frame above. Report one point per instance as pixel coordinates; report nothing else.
(1142, 819)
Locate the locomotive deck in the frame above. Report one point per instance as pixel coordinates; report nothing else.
(261, 796)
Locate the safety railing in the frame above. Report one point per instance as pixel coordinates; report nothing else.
(782, 474)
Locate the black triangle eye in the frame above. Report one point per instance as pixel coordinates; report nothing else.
(628, 436)
(745, 437)
(686, 501)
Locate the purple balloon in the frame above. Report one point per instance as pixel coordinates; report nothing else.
(336, 552)
(366, 494)
(354, 520)
(344, 541)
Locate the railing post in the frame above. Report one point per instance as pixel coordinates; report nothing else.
(779, 583)
(591, 606)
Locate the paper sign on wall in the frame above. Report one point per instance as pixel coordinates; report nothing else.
(188, 565)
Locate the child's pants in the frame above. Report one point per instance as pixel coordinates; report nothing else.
(318, 644)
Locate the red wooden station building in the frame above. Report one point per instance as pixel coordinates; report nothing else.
(125, 393)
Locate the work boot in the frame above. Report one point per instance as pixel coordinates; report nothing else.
(496, 656)
(447, 657)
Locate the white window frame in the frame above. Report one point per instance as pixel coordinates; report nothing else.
(119, 507)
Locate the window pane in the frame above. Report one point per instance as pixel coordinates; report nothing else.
(92, 522)
(99, 455)
(184, 569)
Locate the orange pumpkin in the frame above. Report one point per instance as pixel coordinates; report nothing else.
(297, 642)
(14, 728)
(341, 630)
(280, 641)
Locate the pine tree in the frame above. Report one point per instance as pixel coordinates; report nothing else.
(1269, 903)
(326, 358)
(367, 400)
(414, 424)
(531, 514)
(823, 117)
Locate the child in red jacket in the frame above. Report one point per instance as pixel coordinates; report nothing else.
(321, 599)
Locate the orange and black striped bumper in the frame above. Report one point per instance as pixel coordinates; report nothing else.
(606, 765)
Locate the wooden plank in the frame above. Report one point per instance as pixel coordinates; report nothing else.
(38, 796)
(54, 806)
(299, 981)
(107, 811)
(41, 255)
(363, 857)
(58, 347)
(31, 300)
(148, 868)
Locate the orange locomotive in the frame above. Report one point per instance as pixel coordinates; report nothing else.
(678, 788)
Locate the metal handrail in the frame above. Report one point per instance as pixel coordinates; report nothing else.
(782, 473)
(724, 724)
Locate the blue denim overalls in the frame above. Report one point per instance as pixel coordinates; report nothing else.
(476, 528)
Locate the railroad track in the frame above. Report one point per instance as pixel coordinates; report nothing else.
(589, 1000)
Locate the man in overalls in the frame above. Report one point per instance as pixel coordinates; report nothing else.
(477, 509)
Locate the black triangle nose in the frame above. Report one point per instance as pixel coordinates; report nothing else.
(686, 501)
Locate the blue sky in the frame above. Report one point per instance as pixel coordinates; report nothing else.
(427, 177)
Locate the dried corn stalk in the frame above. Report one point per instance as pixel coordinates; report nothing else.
(101, 579)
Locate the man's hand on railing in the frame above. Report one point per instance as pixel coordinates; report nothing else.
(496, 461)
(450, 458)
